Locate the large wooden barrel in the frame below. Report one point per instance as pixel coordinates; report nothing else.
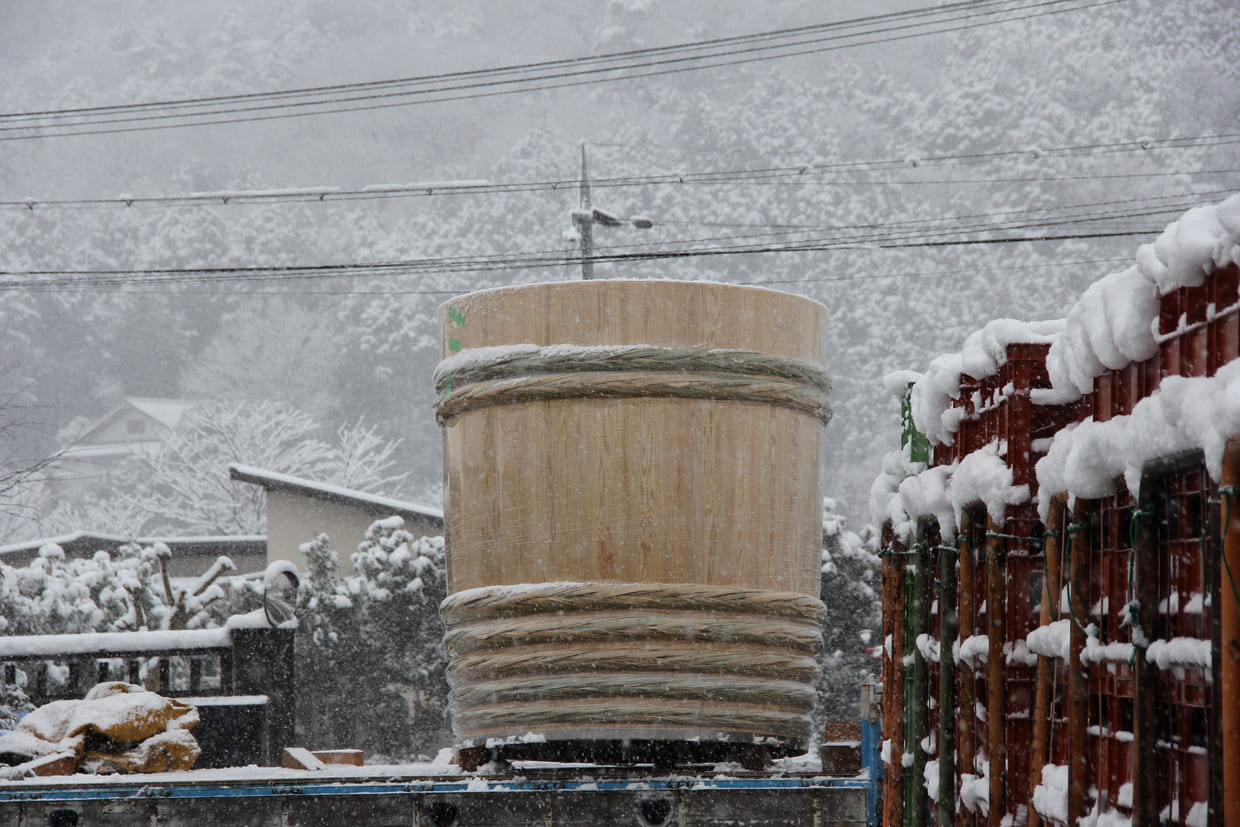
(633, 512)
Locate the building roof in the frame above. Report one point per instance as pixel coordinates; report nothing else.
(164, 412)
(83, 543)
(371, 503)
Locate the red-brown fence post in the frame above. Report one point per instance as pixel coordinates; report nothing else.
(996, 631)
(1051, 551)
(1229, 620)
(1079, 775)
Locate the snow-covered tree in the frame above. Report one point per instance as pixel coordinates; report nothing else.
(275, 349)
(374, 641)
(126, 591)
(13, 704)
(185, 486)
(23, 465)
(850, 584)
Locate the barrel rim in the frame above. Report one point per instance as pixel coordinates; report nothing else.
(654, 281)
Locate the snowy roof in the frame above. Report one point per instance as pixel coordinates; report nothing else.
(81, 543)
(112, 449)
(166, 412)
(374, 503)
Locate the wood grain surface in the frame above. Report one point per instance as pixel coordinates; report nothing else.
(635, 490)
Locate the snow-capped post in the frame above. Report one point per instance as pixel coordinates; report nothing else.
(262, 664)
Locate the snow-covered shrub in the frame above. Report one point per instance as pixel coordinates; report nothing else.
(13, 704)
(374, 642)
(851, 578)
(106, 592)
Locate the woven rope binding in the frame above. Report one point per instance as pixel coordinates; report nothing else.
(512, 601)
(496, 376)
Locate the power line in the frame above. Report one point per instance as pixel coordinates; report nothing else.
(515, 68)
(531, 77)
(285, 292)
(767, 176)
(1060, 215)
(114, 279)
(929, 231)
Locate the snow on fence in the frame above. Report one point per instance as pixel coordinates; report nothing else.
(245, 663)
(1067, 541)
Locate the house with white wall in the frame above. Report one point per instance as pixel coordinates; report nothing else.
(298, 510)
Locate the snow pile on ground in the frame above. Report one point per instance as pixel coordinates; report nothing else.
(117, 727)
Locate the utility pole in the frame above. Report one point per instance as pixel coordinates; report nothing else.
(585, 221)
(587, 215)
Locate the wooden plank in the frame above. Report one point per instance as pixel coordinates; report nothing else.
(300, 758)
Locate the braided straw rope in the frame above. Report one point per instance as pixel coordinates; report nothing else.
(638, 371)
(608, 659)
(790, 694)
(553, 598)
(752, 718)
(582, 627)
(488, 364)
(641, 656)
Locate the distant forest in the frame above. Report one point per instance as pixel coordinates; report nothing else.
(887, 181)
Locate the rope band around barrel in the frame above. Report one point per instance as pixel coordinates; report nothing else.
(605, 712)
(603, 658)
(757, 718)
(494, 376)
(513, 601)
(638, 656)
(791, 694)
(804, 634)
